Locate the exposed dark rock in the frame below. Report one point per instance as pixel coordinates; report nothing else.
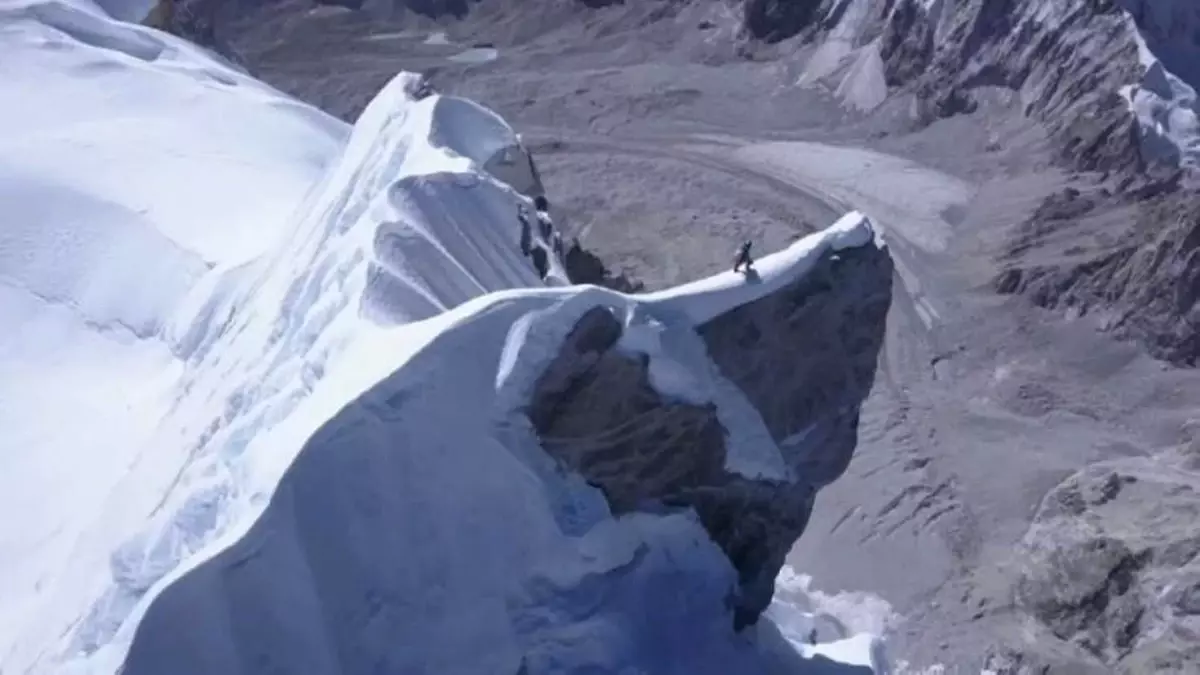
(584, 267)
(800, 356)
(907, 43)
(775, 20)
(933, 103)
(1111, 565)
(1146, 281)
(197, 21)
(1173, 652)
(541, 262)
(433, 9)
(1025, 661)
(1067, 69)
(1085, 591)
(804, 357)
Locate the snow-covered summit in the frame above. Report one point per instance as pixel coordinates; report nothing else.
(316, 358)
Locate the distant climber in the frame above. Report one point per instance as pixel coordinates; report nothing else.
(559, 248)
(743, 257)
(541, 262)
(526, 230)
(545, 224)
(419, 87)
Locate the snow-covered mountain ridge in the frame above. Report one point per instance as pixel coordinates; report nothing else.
(320, 283)
(406, 469)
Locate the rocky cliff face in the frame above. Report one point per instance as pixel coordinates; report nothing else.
(1143, 285)
(804, 358)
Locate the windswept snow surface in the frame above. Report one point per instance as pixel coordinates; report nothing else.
(130, 164)
(196, 273)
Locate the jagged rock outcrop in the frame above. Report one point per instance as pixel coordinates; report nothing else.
(585, 267)
(804, 358)
(1068, 61)
(1110, 572)
(1143, 283)
(775, 20)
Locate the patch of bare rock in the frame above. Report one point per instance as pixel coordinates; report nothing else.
(804, 357)
(1108, 576)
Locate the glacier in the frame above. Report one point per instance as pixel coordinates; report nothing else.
(252, 346)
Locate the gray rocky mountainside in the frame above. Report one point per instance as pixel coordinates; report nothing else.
(802, 358)
(1067, 62)
(1025, 481)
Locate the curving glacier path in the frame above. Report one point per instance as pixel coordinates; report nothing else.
(230, 317)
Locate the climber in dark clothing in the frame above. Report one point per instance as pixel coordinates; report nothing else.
(743, 257)
(526, 230)
(541, 262)
(545, 224)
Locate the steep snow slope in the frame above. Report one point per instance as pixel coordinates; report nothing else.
(130, 163)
